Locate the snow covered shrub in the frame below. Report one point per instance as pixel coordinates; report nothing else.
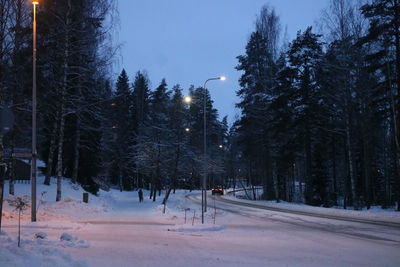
(41, 235)
(20, 204)
(66, 237)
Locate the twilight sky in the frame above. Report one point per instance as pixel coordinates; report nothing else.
(189, 41)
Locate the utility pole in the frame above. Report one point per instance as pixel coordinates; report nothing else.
(34, 152)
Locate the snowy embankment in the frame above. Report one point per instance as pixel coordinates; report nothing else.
(374, 214)
(45, 242)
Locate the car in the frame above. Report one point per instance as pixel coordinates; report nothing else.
(217, 190)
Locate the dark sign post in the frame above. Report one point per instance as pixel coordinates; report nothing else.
(6, 124)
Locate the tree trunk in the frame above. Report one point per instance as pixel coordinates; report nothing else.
(76, 149)
(157, 177)
(49, 166)
(367, 173)
(269, 183)
(120, 178)
(397, 47)
(334, 175)
(11, 172)
(16, 91)
(395, 114)
(177, 158)
(151, 187)
(293, 191)
(154, 189)
(350, 162)
(276, 184)
(308, 163)
(62, 115)
(60, 151)
(166, 196)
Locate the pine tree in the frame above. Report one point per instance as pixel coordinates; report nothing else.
(256, 83)
(140, 116)
(153, 142)
(384, 36)
(304, 58)
(123, 133)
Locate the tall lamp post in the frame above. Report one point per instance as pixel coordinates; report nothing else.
(203, 190)
(34, 152)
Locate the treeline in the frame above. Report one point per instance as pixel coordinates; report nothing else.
(74, 58)
(89, 130)
(319, 123)
(320, 117)
(157, 138)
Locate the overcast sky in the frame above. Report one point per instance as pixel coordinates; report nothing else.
(189, 41)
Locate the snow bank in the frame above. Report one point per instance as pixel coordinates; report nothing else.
(68, 240)
(33, 254)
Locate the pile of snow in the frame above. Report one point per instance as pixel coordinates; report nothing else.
(33, 253)
(73, 207)
(45, 247)
(68, 240)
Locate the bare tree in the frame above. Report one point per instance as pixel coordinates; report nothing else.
(343, 19)
(268, 25)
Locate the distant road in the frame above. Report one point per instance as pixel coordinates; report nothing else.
(305, 213)
(373, 230)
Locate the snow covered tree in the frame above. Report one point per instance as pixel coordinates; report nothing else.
(304, 58)
(140, 116)
(153, 144)
(123, 134)
(256, 83)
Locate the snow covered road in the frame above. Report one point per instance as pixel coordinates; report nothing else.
(242, 236)
(340, 225)
(114, 229)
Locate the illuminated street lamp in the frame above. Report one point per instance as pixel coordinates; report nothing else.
(203, 190)
(187, 129)
(34, 152)
(187, 99)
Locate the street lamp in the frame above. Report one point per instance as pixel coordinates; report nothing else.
(34, 152)
(187, 99)
(203, 190)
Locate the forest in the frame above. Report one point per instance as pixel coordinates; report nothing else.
(319, 123)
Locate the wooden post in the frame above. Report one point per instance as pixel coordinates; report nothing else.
(194, 216)
(86, 197)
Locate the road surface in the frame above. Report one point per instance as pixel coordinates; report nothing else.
(352, 227)
(244, 235)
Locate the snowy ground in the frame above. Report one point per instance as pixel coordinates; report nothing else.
(114, 229)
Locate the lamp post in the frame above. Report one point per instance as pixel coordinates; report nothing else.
(34, 152)
(203, 190)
